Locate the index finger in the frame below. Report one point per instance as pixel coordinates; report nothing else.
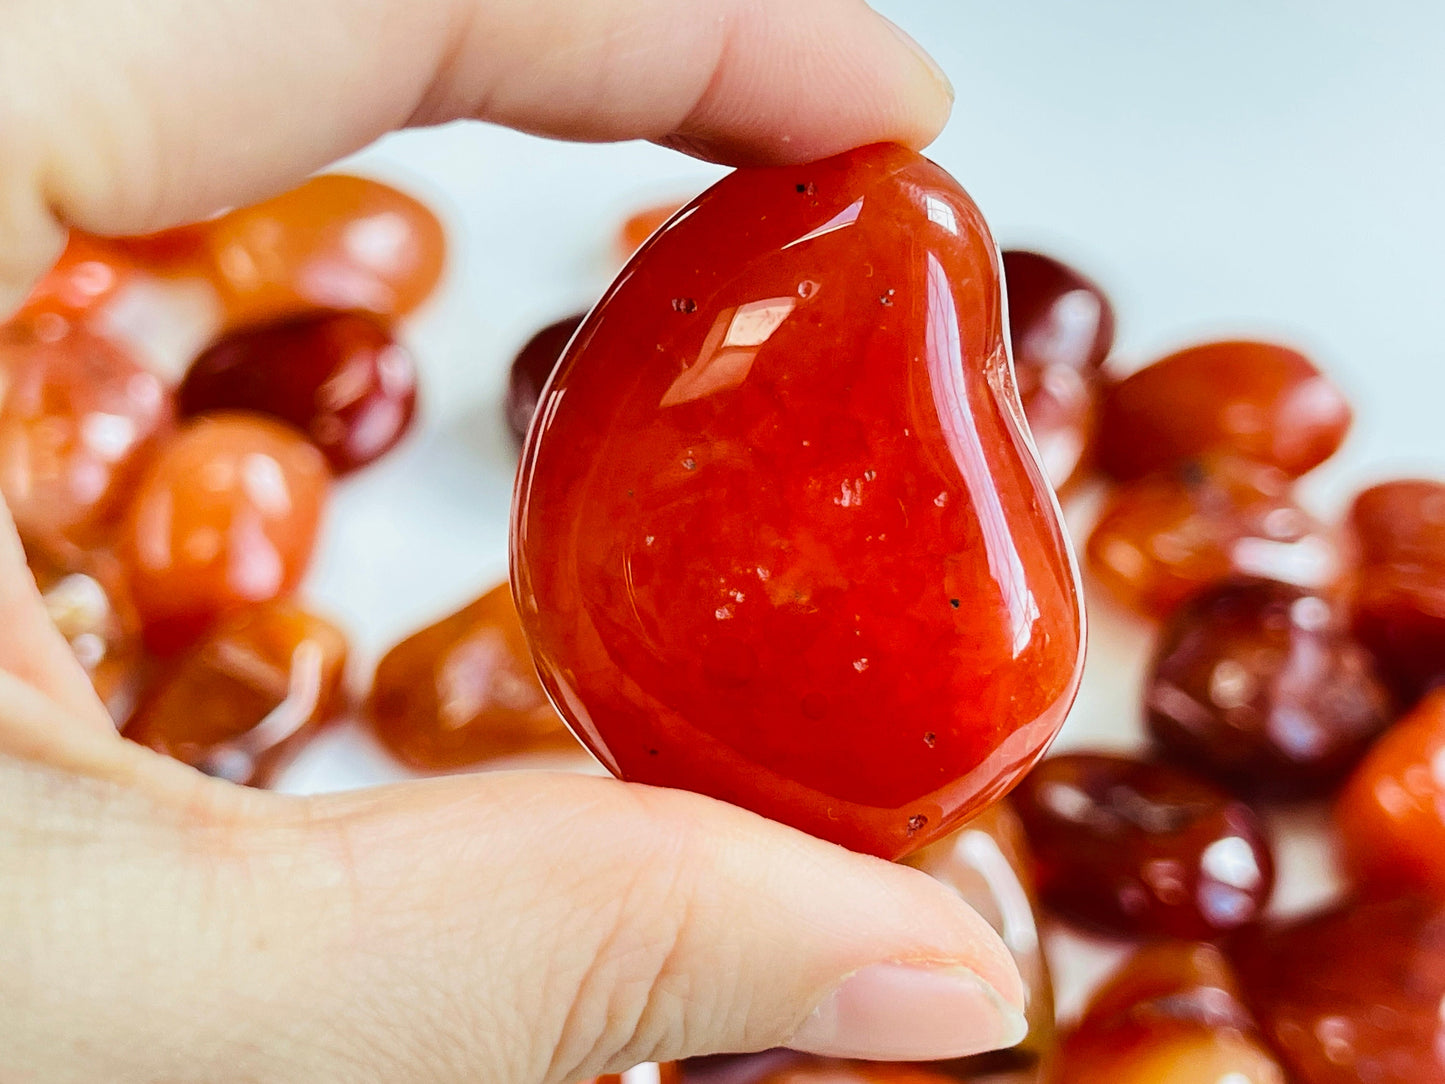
(124, 118)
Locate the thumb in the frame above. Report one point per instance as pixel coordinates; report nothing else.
(535, 928)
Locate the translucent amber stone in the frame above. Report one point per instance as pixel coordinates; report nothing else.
(989, 864)
(1171, 1014)
(225, 516)
(1264, 402)
(79, 420)
(1398, 584)
(782, 472)
(336, 242)
(531, 369)
(1141, 849)
(1391, 816)
(1260, 685)
(339, 377)
(464, 691)
(248, 695)
(1352, 995)
(1166, 536)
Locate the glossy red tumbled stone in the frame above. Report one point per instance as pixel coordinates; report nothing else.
(1061, 327)
(1352, 995)
(1057, 315)
(1164, 537)
(464, 691)
(1172, 1013)
(79, 419)
(1391, 815)
(779, 536)
(787, 1067)
(1266, 402)
(1398, 585)
(248, 695)
(224, 517)
(1260, 685)
(1135, 848)
(339, 377)
(532, 368)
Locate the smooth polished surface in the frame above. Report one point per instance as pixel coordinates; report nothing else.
(1398, 584)
(1392, 814)
(1141, 849)
(1352, 995)
(1171, 1013)
(88, 274)
(1260, 685)
(339, 377)
(1165, 536)
(1258, 400)
(532, 368)
(79, 420)
(463, 691)
(224, 517)
(779, 537)
(248, 695)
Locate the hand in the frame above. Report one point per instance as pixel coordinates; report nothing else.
(518, 928)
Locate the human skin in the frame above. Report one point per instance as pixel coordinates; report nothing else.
(519, 928)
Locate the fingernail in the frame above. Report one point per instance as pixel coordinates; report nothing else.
(897, 1012)
(923, 55)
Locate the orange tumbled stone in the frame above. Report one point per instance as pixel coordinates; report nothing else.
(643, 224)
(1391, 814)
(89, 273)
(79, 420)
(464, 691)
(336, 242)
(248, 695)
(1164, 537)
(1171, 1013)
(780, 536)
(1254, 399)
(90, 608)
(225, 516)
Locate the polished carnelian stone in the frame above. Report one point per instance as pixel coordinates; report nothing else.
(1142, 849)
(336, 242)
(988, 863)
(1057, 315)
(1260, 685)
(224, 517)
(1391, 816)
(1167, 536)
(1265, 402)
(89, 273)
(339, 377)
(1171, 1013)
(532, 368)
(779, 535)
(643, 224)
(79, 419)
(464, 691)
(1061, 328)
(1352, 995)
(248, 695)
(1398, 586)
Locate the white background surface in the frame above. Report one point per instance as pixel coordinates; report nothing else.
(1245, 166)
